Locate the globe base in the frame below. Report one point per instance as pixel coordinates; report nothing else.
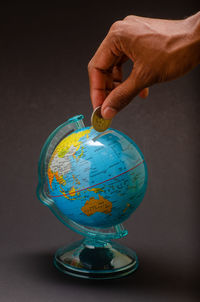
(91, 259)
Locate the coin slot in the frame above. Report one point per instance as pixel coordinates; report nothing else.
(101, 134)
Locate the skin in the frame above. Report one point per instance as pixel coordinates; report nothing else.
(161, 50)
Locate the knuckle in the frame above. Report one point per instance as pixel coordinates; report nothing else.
(128, 18)
(90, 66)
(116, 25)
(117, 29)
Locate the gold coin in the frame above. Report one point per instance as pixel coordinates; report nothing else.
(98, 122)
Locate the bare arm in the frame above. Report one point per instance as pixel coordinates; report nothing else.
(161, 50)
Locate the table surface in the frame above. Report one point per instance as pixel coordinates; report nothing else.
(43, 82)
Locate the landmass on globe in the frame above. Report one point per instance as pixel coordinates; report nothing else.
(97, 205)
(59, 163)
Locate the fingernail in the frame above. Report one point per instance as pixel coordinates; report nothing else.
(109, 113)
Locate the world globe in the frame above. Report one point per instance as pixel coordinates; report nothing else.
(97, 180)
(92, 182)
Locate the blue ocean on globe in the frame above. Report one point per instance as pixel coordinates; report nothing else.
(97, 180)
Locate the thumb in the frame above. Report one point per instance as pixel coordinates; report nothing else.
(121, 96)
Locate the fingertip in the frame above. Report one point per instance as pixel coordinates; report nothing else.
(108, 113)
(144, 93)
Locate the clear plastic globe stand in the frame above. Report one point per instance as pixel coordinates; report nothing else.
(97, 256)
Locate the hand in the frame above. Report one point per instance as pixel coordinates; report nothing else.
(160, 50)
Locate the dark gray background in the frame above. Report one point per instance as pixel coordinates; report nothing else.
(44, 51)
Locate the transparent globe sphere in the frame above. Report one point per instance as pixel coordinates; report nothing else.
(97, 180)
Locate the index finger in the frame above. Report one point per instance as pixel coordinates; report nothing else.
(97, 82)
(100, 70)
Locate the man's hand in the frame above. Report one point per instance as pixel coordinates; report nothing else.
(160, 50)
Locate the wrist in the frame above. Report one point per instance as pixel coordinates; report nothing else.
(192, 39)
(193, 31)
(183, 53)
(194, 23)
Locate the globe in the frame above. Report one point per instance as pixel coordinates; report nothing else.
(92, 182)
(97, 180)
